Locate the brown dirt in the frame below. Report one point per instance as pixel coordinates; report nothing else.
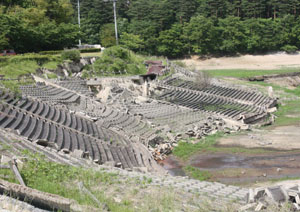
(266, 62)
(281, 138)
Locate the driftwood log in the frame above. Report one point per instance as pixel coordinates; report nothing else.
(41, 199)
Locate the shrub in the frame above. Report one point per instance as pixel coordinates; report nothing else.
(289, 49)
(40, 59)
(117, 60)
(51, 76)
(73, 55)
(202, 79)
(51, 52)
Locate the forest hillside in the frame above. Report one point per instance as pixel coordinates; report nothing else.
(171, 28)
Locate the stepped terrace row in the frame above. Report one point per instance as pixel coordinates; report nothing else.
(35, 124)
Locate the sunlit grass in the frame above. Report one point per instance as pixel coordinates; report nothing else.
(242, 73)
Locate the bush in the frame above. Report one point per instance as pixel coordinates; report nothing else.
(289, 49)
(117, 60)
(73, 55)
(51, 52)
(202, 79)
(40, 59)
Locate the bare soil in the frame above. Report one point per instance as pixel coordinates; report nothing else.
(250, 62)
(280, 138)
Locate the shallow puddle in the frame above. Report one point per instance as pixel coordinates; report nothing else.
(173, 166)
(239, 168)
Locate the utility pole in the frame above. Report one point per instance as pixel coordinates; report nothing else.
(115, 18)
(78, 7)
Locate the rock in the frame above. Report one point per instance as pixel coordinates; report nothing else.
(110, 163)
(259, 192)
(66, 151)
(259, 207)
(78, 153)
(117, 200)
(20, 164)
(247, 207)
(5, 159)
(140, 169)
(297, 207)
(251, 196)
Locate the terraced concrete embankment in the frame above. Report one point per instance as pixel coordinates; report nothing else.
(66, 132)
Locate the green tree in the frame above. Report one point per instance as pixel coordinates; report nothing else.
(202, 35)
(262, 35)
(232, 35)
(132, 42)
(107, 35)
(171, 43)
(4, 44)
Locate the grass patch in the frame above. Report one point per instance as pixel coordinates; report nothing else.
(40, 174)
(197, 174)
(91, 54)
(51, 76)
(52, 65)
(184, 150)
(242, 73)
(14, 85)
(288, 113)
(54, 178)
(8, 175)
(14, 70)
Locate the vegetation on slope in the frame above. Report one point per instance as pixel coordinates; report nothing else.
(16, 70)
(119, 61)
(118, 192)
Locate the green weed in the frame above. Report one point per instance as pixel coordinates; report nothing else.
(184, 150)
(242, 73)
(197, 173)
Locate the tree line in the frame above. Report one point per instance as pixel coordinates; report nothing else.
(35, 25)
(176, 28)
(172, 28)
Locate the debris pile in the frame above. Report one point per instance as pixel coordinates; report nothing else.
(262, 198)
(210, 126)
(161, 151)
